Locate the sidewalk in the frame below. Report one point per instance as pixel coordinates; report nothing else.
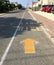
(2, 14)
(45, 14)
(47, 20)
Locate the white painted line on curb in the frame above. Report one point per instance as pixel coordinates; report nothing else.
(9, 45)
(44, 30)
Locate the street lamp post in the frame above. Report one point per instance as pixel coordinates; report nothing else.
(32, 4)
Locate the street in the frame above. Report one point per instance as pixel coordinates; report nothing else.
(23, 42)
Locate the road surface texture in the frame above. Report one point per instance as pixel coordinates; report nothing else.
(23, 42)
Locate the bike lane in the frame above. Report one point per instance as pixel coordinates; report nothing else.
(31, 46)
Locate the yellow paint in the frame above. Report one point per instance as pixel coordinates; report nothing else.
(33, 29)
(37, 29)
(29, 45)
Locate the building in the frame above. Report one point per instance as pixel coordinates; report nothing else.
(38, 5)
(51, 2)
(46, 2)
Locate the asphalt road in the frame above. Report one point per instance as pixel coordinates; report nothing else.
(15, 28)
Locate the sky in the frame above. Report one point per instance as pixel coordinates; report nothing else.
(23, 2)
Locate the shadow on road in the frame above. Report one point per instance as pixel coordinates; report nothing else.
(8, 26)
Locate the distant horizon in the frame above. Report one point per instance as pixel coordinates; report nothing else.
(24, 2)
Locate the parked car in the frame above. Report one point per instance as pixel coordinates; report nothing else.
(46, 8)
(43, 7)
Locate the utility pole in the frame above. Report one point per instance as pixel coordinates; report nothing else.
(32, 4)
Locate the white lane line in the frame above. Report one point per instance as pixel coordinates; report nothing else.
(9, 45)
(44, 30)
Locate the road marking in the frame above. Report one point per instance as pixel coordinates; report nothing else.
(9, 45)
(44, 30)
(37, 29)
(33, 30)
(29, 45)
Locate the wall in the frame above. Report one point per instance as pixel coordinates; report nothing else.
(47, 2)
